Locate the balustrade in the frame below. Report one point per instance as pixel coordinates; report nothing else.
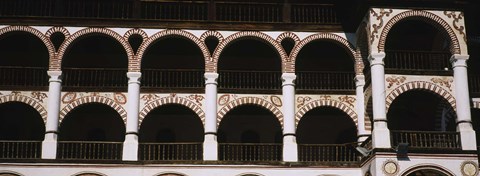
(256, 80)
(94, 78)
(89, 150)
(249, 152)
(417, 60)
(24, 77)
(170, 151)
(156, 78)
(327, 153)
(20, 149)
(170, 10)
(326, 81)
(427, 139)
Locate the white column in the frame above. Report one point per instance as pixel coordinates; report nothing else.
(464, 122)
(49, 144)
(290, 149)
(210, 145)
(380, 133)
(360, 108)
(130, 145)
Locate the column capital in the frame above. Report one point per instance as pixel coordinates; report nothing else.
(55, 76)
(459, 60)
(360, 80)
(288, 79)
(134, 77)
(211, 78)
(376, 58)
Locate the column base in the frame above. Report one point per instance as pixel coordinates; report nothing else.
(210, 148)
(468, 139)
(130, 148)
(49, 146)
(381, 138)
(290, 148)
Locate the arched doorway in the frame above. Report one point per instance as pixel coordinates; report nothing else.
(250, 133)
(173, 62)
(95, 62)
(324, 66)
(171, 132)
(249, 65)
(91, 131)
(414, 46)
(24, 62)
(335, 136)
(424, 120)
(22, 131)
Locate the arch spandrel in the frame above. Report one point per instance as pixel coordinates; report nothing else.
(382, 20)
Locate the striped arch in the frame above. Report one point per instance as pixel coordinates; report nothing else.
(429, 166)
(215, 34)
(322, 36)
(420, 85)
(170, 32)
(27, 100)
(427, 17)
(57, 64)
(248, 34)
(93, 99)
(171, 100)
(250, 101)
(331, 103)
(37, 33)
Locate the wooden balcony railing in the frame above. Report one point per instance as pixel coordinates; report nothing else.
(155, 78)
(327, 153)
(94, 78)
(170, 151)
(314, 13)
(89, 150)
(249, 12)
(417, 60)
(427, 139)
(474, 84)
(255, 80)
(45, 8)
(326, 81)
(97, 9)
(173, 10)
(25, 77)
(20, 149)
(249, 152)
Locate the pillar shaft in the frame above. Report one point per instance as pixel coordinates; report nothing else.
(464, 122)
(380, 134)
(360, 107)
(130, 145)
(290, 148)
(49, 145)
(210, 145)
